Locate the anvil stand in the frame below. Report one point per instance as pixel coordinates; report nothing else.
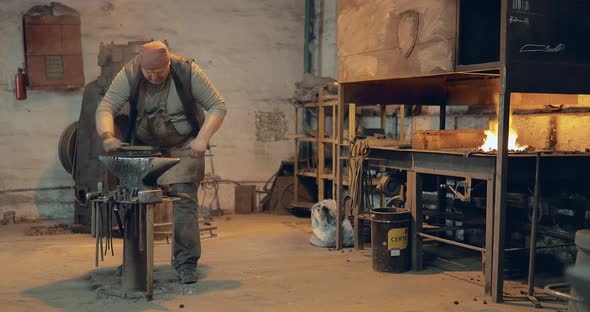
(137, 195)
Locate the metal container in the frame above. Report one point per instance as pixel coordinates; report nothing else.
(389, 239)
(580, 273)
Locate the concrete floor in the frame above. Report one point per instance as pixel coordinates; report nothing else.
(257, 263)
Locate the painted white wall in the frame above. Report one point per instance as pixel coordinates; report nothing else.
(251, 50)
(327, 30)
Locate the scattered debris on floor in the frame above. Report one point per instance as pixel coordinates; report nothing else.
(9, 217)
(42, 230)
(107, 285)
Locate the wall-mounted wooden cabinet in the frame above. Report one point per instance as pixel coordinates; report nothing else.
(385, 39)
(53, 52)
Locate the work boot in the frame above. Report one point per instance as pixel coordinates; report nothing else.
(187, 276)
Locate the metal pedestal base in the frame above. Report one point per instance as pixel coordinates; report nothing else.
(138, 250)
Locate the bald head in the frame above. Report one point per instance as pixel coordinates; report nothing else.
(154, 55)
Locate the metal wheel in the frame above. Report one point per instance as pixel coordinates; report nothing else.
(67, 147)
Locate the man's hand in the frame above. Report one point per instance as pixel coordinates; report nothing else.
(112, 144)
(198, 148)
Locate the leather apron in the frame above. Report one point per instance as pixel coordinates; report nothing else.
(155, 128)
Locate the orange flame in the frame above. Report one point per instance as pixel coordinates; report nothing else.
(490, 143)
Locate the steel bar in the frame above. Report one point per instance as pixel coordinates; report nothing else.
(141, 211)
(100, 229)
(489, 242)
(533, 242)
(106, 228)
(119, 221)
(501, 165)
(451, 242)
(539, 247)
(106, 213)
(149, 249)
(94, 212)
(92, 218)
(172, 247)
(450, 228)
(111, 230)
(415, 204)
(551, 290)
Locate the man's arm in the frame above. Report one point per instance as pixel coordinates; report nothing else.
(111, 104)
(209, 98)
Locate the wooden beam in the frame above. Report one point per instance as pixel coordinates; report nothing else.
(334, 144)
(296, 162)
(321, 146)
(339, 120)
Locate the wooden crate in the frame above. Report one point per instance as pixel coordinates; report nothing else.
(245, 199)
(434, 140)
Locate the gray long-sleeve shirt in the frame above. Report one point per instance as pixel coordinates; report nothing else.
(202, 89)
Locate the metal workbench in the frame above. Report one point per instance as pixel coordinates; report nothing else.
(540, 51)
(478, 166)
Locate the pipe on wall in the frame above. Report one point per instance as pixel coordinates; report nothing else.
(309, 35)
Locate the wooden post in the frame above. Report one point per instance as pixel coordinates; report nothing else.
(335, 156)
(296, 162)
(339, 120)
(351, 122)
(321, 146)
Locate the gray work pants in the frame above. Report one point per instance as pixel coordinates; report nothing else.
(187, 237)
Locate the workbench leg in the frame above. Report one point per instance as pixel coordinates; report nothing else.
(489, 240)
(500, 199)
(415, 205)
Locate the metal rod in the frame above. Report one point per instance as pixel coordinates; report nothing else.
(501, 173)
(94, 210)
(107, 229)
(149, 238)
(551, 290)
(141, 213)
(451, 228)
(540, 247)
(450, 242)
(100, 229)
(172, 245)
(533, 243)
(35, 189)
(111, 230)
(92, 218)
(106, 212)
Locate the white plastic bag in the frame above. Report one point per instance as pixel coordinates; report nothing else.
(323, 225)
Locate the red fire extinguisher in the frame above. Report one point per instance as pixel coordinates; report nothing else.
(19, 85)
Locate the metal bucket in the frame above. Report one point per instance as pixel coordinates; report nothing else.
(390, 239)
